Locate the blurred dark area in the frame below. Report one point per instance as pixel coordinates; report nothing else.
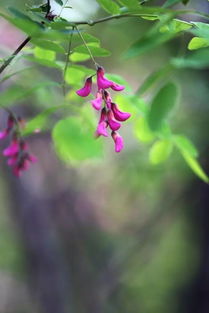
(119, 235)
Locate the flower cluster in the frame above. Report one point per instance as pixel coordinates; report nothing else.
(17, 152)
(110, 115)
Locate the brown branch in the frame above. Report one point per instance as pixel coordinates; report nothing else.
(9, 60)
(92, 23)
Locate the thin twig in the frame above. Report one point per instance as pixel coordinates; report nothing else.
(9, 60)
(92, 23)
(67, 61)
(87, 47)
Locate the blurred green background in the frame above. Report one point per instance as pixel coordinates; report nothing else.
(116, 235)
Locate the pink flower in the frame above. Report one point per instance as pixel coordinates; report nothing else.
(114, 125)
(12, 150)
(32, 158)
(108, 99)
(4, 134)
(97, 103)
(102, 129)
(6, 131)
(117, 87)
(119, 115)
(118, 141)
(12, 161)
(102, 125)
(104, 83)
(85, 91)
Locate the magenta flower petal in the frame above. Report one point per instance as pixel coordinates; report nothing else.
(17, 171)
(117, 87)
(114, 125)
(85, 91)
(118, 141)
(97, 103)
(119, 115)
(32, 158)
(102, 82)
(102, 129)
(4, 134)
(12, 150)
(12, 161)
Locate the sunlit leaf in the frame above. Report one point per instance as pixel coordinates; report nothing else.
(195, 166)
(75, 75)
(44, 54)
(184, 144)
(160, 151)
(79, 57)
(142, 130)
(74, 141)
(197, 43)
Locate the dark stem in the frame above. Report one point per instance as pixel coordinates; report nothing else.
(9, 60)
(48, 7)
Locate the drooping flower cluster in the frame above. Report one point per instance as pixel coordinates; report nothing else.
(17, 152)
(110, 115)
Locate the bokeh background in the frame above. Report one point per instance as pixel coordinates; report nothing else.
(117, 235)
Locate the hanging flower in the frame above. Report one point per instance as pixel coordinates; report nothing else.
(19, 158)
(110, 114)
(85, 91)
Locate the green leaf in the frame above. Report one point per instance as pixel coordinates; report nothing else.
(197, 60)
(60, 2)
(176, 26)
(74, 141)
(48, 45)
(151, 39)
(44, 62)
(185, 145)
(96, 51)
(75, 75)
(201, 30)
(79, 57)
(162, 105)
(15, 94)
(130, 3)
(152, 79)
(44, 54)
(25, 24)
(41, 121)
(87, 37)
(142, 130)
(169, 3)
(195, 166)
(109, 6)
(160, 151)
(197, 43)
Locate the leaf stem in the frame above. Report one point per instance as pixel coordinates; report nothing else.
(87, 47)
(67, 61)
